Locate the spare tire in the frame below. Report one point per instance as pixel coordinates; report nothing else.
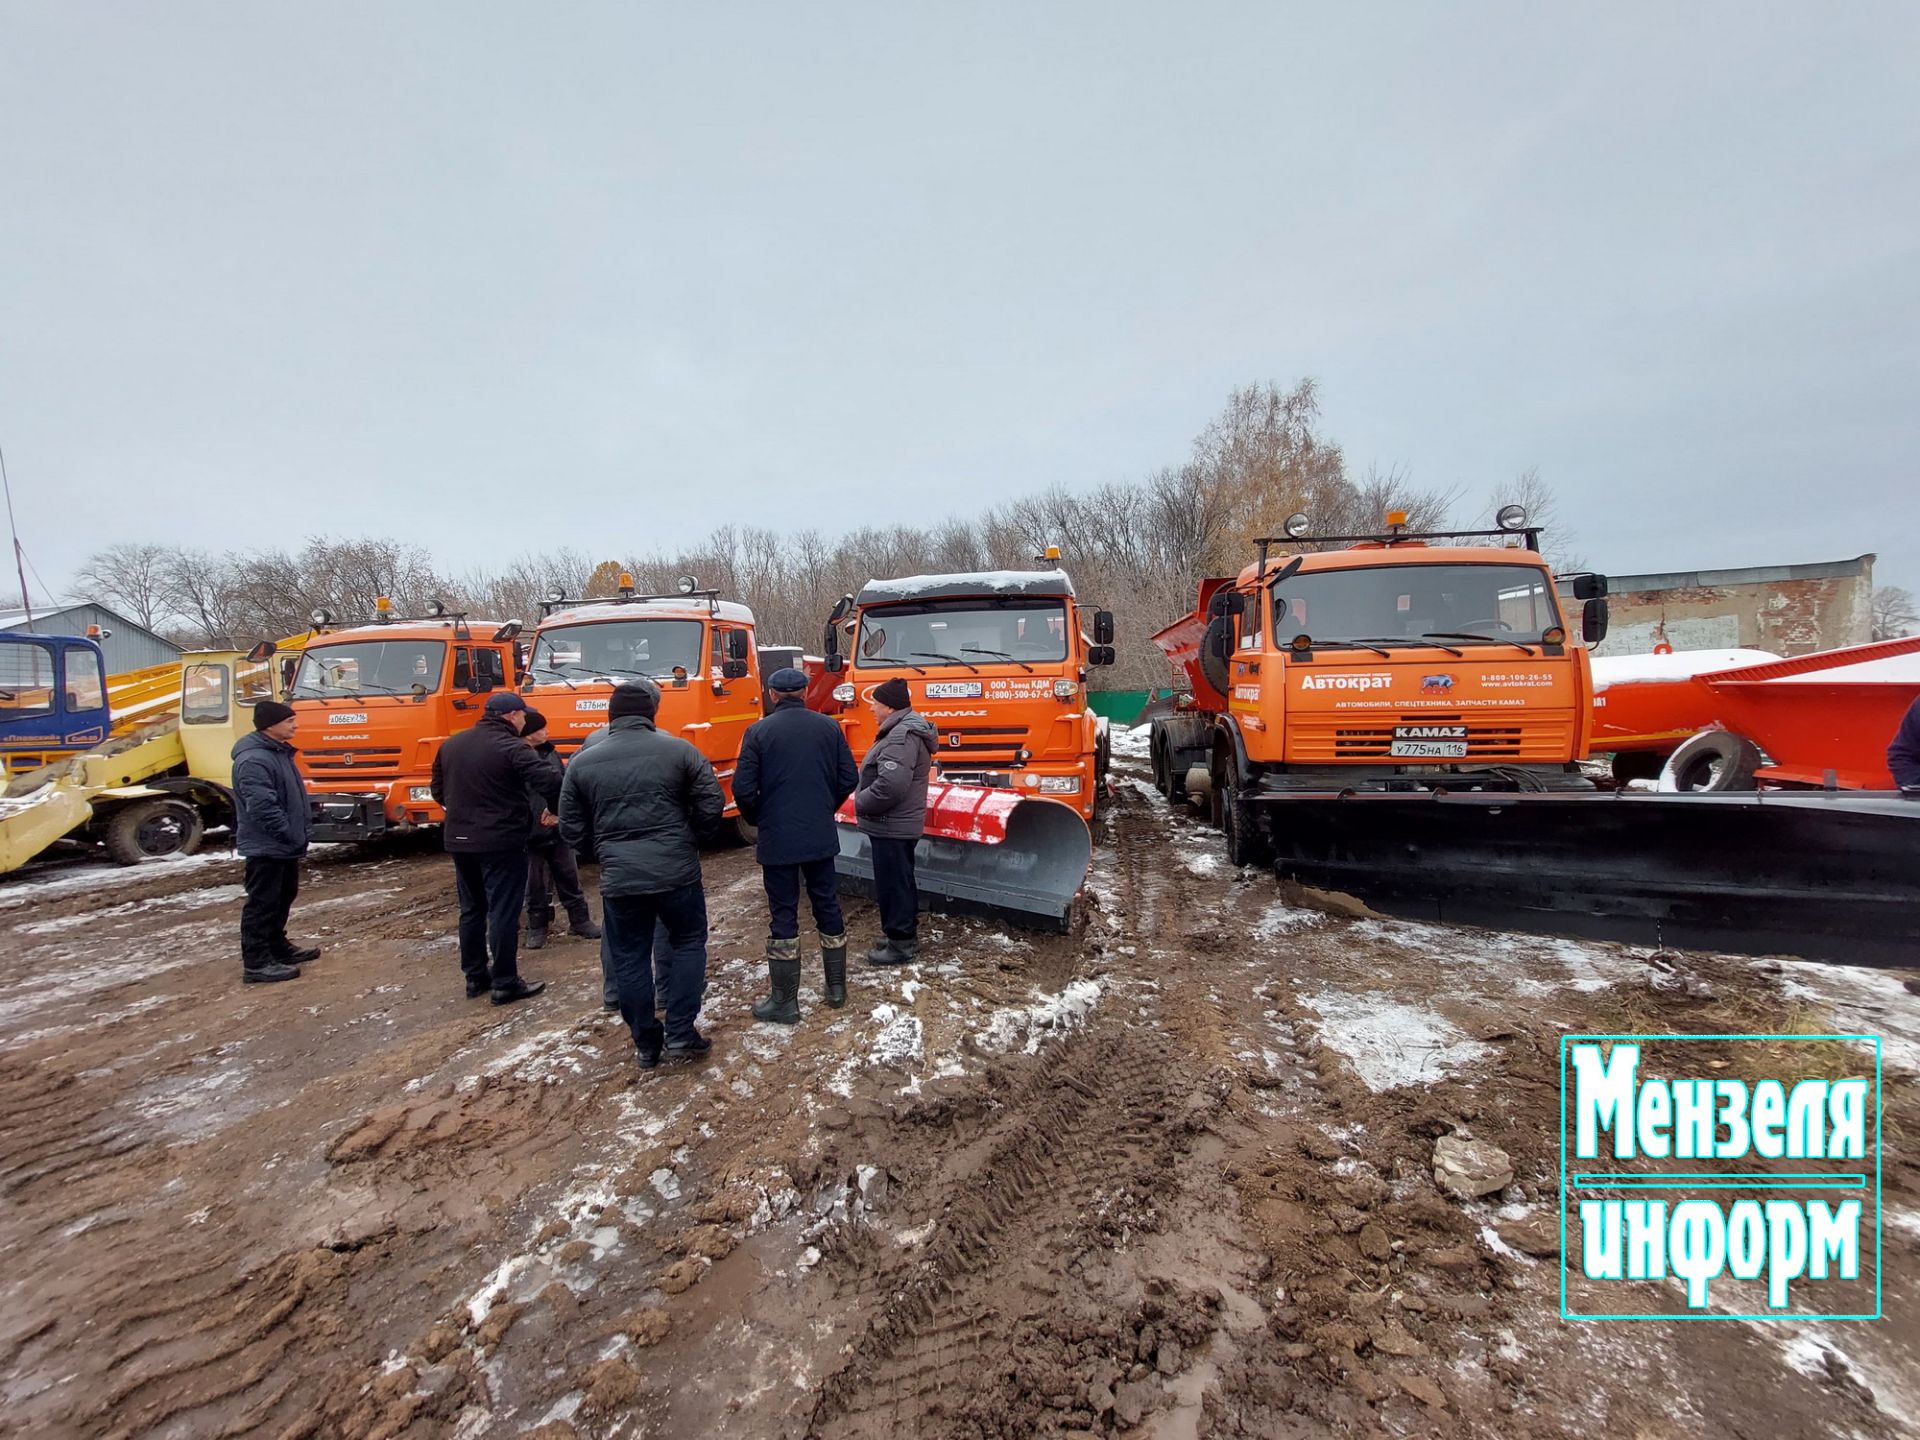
(1213, 666)
(1712, 762)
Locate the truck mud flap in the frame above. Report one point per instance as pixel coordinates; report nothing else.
(990, 853)
(1823, 875)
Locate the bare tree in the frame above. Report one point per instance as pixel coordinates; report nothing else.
(1893, 612)
(133, 577)
(1538, 498)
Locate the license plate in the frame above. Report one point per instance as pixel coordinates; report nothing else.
(1428, 749)
(954, 690)
(347, 717)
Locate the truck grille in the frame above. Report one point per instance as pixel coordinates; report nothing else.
(360, 762)
(979, 743)
(1528, 738)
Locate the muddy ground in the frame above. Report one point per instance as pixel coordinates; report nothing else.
(1166, 1176)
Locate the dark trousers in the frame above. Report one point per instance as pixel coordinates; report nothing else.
(662, 963)
(630, 922)
(271, 886)
(783, 884)
(551, 871)
(893, 887)
(493, 886)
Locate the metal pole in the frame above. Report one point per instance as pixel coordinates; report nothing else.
(19, 555)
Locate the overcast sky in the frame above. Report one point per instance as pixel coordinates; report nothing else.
(504, 277)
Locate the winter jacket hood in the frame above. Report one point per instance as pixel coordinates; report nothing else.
(891, 801)
(640, 802)
(271, 812)
(795, 770)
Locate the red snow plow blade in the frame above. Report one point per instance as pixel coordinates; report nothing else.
(986, 852)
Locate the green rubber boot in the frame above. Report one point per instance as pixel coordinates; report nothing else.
(833, 955)
(782, 1005)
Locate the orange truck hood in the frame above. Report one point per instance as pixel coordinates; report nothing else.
(342, 741)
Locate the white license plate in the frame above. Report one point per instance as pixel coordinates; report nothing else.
(1428, 749)
(954, 690)
(348, 717)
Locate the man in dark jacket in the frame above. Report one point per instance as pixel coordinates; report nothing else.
(1903, 755)
(550, 865)
(891, 805)
(270, 831)
(795, 770)
(484, 778)
(640, 802)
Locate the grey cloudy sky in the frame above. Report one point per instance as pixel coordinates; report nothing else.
(504, 277)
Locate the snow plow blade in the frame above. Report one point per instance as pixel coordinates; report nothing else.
(1825, 875)
(986, 852)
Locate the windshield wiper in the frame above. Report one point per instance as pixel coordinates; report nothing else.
(890, 660)
(950, 659)
(997, 654)
(1358, 644)
(1408, 640)
(1490, 639)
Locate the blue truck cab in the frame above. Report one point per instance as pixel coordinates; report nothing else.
(53, 698)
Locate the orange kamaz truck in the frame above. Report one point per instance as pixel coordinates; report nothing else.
(997, 662)
(698, 648)
(376, 702)
(1400, 663)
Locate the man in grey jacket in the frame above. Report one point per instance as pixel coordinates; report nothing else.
(270, 831)
(640, 802)
(890, 804)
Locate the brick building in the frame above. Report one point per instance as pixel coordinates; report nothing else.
(1788, 609)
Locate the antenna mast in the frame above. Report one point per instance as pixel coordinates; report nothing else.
(19, 555)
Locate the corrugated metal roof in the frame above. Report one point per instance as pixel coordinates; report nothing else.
(1750, 575)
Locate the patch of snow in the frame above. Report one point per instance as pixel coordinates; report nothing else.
(24, 890)
(1680, 665)
(1280, 918)
(1862, 1001)
(1203, 862)
(1054, 1014)
(186, 900)
(1390, 1044)
(1131, 742)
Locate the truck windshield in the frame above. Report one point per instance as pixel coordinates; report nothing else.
(610, 649)
(971, 632)
(368, 667)
(1461, 603)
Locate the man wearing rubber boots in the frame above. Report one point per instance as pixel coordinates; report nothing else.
(891, 805)
(640, 802)
(795, 770)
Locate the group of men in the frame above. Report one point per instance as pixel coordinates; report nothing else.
(639, 803)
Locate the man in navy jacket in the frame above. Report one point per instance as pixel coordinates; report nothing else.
(795, 770)
(270, 832)
(1903, 755)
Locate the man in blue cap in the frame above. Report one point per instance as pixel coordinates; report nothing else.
(795, 770)
(484, 778)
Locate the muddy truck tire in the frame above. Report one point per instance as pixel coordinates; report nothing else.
(152, 829)
(1712, 762)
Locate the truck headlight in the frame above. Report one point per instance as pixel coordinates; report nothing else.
(420, 792)
(843, 692)
(1059, 785)
(1065, 689)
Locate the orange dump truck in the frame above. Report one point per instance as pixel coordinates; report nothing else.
(376, 702)
(1403, 719)
(997, 662)
(698, 648)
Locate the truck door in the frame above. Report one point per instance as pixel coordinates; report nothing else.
(734, 673)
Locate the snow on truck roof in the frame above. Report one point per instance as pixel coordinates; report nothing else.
(1407, 552)
(669, 608)
(965, 585)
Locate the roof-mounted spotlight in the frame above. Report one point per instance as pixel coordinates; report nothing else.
(688, 584)
(1297, 525)
(1511, 517)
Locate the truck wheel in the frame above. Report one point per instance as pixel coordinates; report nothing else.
(738, 833)
(1162, 778)
(151, 829)
(1240, 828)
(1712, 762)
(1636, 765)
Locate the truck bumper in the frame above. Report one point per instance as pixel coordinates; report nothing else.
(343, 817)
(1035, 780)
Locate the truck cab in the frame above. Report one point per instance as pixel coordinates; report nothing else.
(375, 704)
(997, 662)
(1399, 662)
(698, 648)
(53, 698)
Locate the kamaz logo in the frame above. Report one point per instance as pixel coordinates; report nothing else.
(1345, 682)
(1429, 732)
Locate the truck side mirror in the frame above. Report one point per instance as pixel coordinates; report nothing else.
(261, 653)
(1593, 621)
(733, 669)
(737, 646)
(463, 670)
(1589, 586)
(1100, 655)
(834, 662)
(1102, 628)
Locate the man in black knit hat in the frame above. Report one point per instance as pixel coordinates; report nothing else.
(890, 804)
(640, 802)
(270, 831)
